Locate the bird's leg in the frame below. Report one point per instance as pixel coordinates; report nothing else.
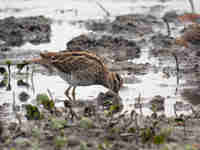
(67, 93)
(73, 93)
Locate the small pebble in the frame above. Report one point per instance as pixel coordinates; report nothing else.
(23, 96)
(2, 70)
(3, 83)
(22, 83)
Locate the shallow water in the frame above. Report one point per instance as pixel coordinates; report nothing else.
(63, 14)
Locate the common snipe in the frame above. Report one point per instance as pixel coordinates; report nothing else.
(80, 68)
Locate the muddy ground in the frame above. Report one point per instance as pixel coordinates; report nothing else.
(102, 123)
(98, 125)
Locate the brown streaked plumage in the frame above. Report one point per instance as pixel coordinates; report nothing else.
(80, 68)
(191, 35)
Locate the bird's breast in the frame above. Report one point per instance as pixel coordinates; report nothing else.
(78, 78)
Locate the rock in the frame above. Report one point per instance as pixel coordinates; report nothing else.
(22, 83)
(23, 96)
(114, 48)
(109, 99)
(2, 70)
(3, 83)
(158, 103)
(17, 31)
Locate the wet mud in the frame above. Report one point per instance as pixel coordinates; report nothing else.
(139, 47)
(18, 31)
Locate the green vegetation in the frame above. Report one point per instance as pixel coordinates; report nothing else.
(32, 112)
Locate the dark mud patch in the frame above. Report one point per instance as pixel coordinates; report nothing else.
(137, 25)
(109, 47)
(17, 31)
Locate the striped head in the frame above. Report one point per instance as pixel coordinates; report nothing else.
(115, 81)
